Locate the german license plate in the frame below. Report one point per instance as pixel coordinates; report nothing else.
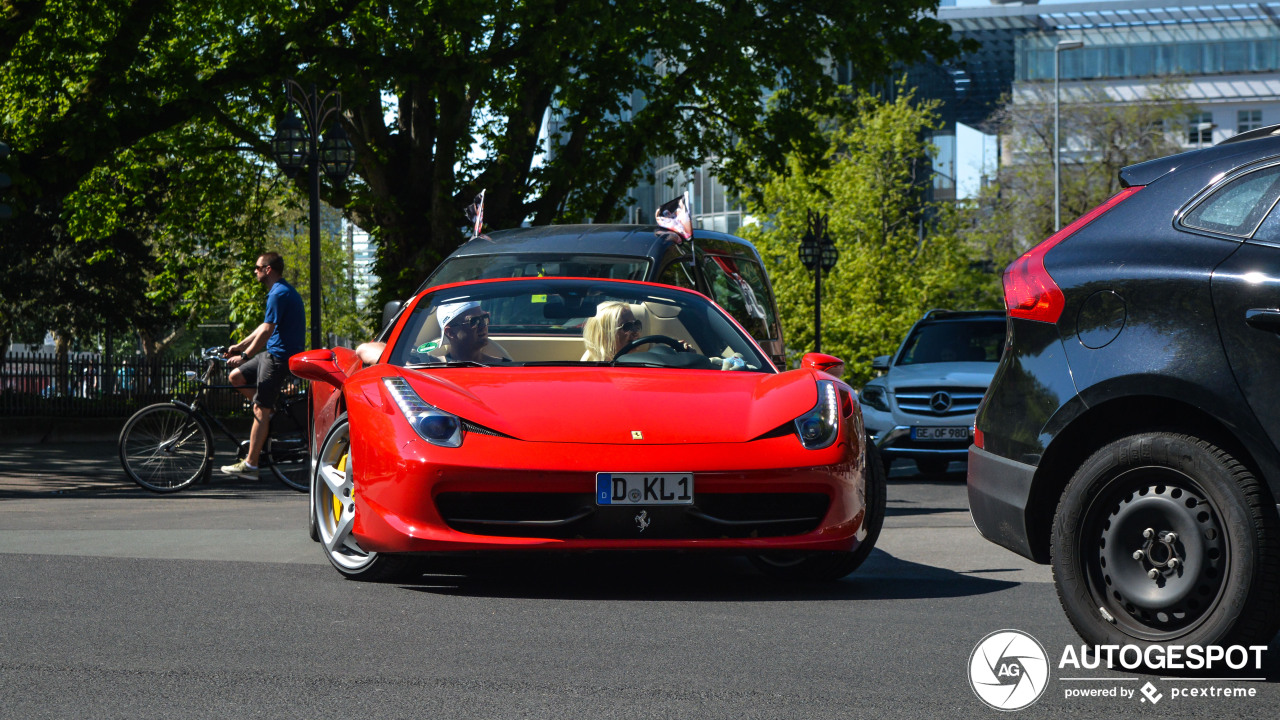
(644, 488)
(926, 432)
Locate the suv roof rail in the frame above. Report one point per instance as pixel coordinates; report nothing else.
(1254, 134)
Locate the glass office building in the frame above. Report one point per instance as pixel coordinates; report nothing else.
(1224, 56)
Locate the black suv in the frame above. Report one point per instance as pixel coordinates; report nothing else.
(1131, 435)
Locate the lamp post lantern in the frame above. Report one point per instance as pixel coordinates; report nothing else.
(819, 255)
(1057, 166)
(297, 144)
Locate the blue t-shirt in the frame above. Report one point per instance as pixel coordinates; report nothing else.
(284, 310)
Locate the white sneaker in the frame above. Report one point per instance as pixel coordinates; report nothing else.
(241, 469)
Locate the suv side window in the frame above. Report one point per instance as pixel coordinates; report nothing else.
(678, 272)
(1238, 207)
(738, 286)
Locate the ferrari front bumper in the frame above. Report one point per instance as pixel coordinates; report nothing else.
(499, 493)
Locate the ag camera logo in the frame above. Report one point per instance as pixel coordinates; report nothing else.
(1008, 670)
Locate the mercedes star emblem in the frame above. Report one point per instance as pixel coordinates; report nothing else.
(941, 401)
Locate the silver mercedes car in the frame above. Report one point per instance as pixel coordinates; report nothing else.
(922, 407)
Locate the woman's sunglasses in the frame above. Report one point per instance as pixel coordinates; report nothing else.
(633, 326)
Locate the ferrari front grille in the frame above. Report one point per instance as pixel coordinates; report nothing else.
(575, 515)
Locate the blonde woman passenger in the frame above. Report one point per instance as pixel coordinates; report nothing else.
(609, 330)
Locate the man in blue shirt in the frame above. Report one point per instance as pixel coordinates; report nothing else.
(262, 359)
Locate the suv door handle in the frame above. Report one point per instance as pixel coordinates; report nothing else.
(1263, 318)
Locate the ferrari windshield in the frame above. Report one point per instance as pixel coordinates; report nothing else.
(564, 321)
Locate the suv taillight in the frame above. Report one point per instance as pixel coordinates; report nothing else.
(1029, 292)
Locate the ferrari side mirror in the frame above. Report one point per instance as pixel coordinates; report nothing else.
(319, 366)
(826, 363)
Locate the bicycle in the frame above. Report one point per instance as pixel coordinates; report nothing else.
(168, 446)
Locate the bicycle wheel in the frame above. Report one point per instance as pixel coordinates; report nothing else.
(289, 458)
(165, 448)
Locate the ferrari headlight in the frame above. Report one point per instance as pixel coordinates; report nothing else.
(874, 396)
(431, 423)
(819, 427)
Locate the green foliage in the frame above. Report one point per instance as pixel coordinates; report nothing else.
(899, 256)
(628, 80)
(133, 218)
(200, 208)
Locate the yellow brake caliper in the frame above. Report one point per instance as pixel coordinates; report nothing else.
(337, 504)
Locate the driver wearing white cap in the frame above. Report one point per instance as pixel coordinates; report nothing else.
(465, 326)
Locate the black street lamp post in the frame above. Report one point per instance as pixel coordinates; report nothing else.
(297, 144)
(818, 254)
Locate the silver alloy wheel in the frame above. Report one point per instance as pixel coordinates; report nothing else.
(333, 503)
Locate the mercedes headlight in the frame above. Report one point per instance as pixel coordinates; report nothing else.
(431, 423)
(875, 397)
(819, 427)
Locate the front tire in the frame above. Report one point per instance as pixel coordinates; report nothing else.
(829, 566)
(1162, 537)
(333, 510)
(165, 448)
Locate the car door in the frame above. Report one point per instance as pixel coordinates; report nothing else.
(1246, 286)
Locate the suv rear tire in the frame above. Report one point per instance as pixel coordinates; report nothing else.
(1123, 578)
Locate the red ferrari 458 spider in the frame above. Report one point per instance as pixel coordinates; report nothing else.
(585, 414)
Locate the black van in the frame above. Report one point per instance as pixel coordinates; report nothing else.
(725, 268)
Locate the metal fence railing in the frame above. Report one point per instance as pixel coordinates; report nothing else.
(83, 385)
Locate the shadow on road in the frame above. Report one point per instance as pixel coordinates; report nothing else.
(92, 470)
(674, 576)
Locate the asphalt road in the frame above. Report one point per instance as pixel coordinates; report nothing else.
(116, 603)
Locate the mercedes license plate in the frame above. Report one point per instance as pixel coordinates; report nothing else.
(644, 488)
(927, 432)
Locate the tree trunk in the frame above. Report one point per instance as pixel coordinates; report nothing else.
(149, 371)
(62, 366)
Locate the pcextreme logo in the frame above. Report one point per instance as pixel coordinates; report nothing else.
(1008, 670)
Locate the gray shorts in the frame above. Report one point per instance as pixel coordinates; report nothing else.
(268, 372)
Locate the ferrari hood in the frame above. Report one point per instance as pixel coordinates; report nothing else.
(619, 405)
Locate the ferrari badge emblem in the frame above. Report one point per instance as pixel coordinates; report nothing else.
(637, 435)
(642, 520)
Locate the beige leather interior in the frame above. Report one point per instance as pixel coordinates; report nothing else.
(541, 347)
(661, 319)
(655, 319)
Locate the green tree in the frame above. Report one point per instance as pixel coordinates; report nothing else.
(899, 256)
(626, 80)
(100, 99)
